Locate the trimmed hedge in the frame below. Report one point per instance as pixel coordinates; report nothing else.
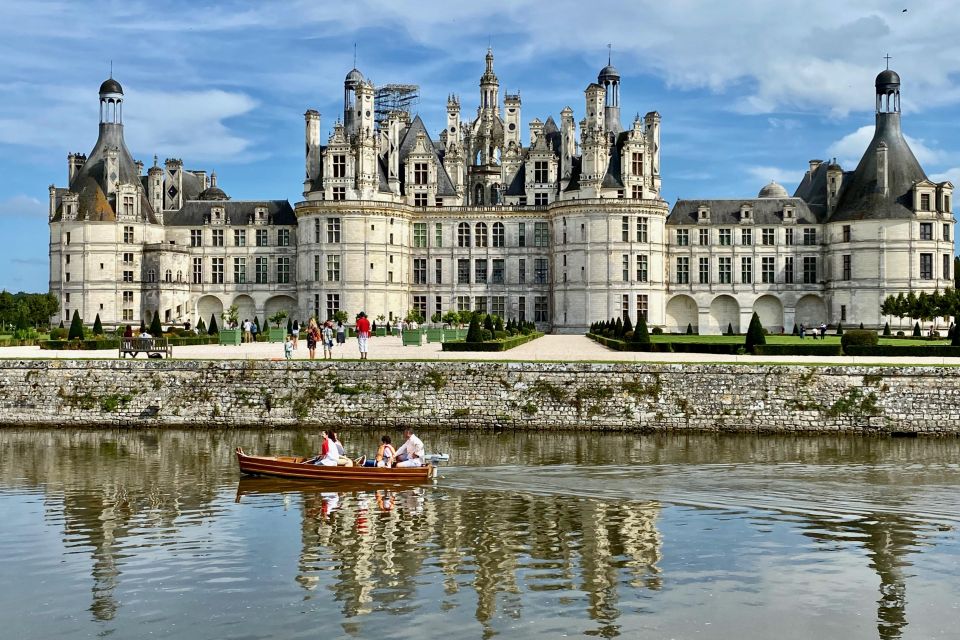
(491, 345)
(799, 350)
(669, 347)
(918, 351)
(80, 345)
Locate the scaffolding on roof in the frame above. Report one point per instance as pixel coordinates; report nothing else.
(395, 97)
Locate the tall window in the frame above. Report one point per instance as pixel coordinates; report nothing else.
(463, 303)
(704, 271)
(926, 231)
(419, 271)
(636, 163)
(788, 270)
(333, 268)
(521, 234)
(420, 304)
(480, 271)
(845, 275)
(497, 272)
(809, 236)
(625, 260)
(261, 270)
(421, 200)
(463, 271)
(788, 236)
(283, 270)
(704, 237)
(683, 270)
(333, 304)
(642, 229)
(217, 237)
(636, 192)
(540, 172)
(216, 271)
(316, 268)
(240, 270)
(540, 199)
(746, 270)
(522, 271)
(642, 269)
(767, 270)
(541, 271)
(339, 165)
(339, 193)
(768, 236)
(926, 266)
(438, 235)
(746, 237)
(333, 229)
(726, 237)
(198, 271)
(317, 227)
(846, 233)
(683, 237)
(725, 270)
(196, 237)
(128, 235)
(625, 229)
(263, 238)
(283, 237)
(498, 306)
(541, 238)
(419, 173)
(438, 271)
(239, 238)
(480, 304)
(419, 235)
(463, 234)
(522, 308)
(643, 308)
(809, 270)
(947, 259)
(481, 234)
(128, 276)
(499, 235)
(924, 202)
(946, 232)
(625, 306)
(540, 309)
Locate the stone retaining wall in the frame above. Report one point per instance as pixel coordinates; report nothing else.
(707, 397)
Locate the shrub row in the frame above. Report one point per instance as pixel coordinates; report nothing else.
(490, 345)
(932, 351)
(722, 348)
(814, 349)
(81, 345)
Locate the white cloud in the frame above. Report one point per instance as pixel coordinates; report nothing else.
(786, 177)
(21, 205)
(952, 174)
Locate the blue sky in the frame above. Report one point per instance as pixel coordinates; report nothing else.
(749, 91)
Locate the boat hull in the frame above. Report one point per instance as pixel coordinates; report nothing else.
(294, 468)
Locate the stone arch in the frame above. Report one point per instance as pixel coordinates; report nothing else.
(724, 311)
(209, 306)
(811, 310)
(681, 311)
(246, 308)
(770, 311)
(281, 303)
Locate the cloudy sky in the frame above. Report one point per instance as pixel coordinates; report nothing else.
(749, 90)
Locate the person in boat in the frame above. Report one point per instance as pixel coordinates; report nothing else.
(343, 460)
(384, 454)
(329, 454)
(410, 453)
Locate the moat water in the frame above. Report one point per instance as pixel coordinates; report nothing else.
(136, 534)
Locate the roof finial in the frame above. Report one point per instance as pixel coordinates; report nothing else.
(887, 57)
(609, 54)
(354, 55)
(111, 69)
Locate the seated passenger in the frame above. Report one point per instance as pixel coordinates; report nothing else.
(329, 454)
(410, 453)
(384, 454)
(342, 460)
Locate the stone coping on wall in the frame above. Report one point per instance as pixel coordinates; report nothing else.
(482, 394)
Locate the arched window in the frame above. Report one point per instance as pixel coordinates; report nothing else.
(168, 276)
(463, 234)
(151, 275)
(179, 276)
(498, 234)
(481, 235)
(495, 194)
(478, 195)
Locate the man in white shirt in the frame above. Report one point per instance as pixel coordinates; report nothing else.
(411, 453)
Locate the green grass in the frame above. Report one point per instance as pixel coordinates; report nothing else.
(788, 339)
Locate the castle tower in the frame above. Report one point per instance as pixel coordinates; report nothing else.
(609, 79)
(350, 84)
(489, 87)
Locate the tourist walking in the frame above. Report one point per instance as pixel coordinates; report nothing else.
(295, 329)
(363, 334)
(313, 335)
(288, 348)
(326, 334)
(247, 334)
(341, 333)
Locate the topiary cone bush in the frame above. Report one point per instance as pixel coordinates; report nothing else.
(754, 334)
(796, 329)
(955, 338)
(640, 333)
(729, 328)
(473, 333)
(76, 327)
(689, 328)
(201, 327)
(213, 329)
(627, 325)
(839, 328)
(916, 330)
(886, 329)
(97, 326)
(861, 326)
(155, 329)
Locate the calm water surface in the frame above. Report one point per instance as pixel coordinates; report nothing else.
(135, 534)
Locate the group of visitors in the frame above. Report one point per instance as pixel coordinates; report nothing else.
(410, 454)
(250, 331)
(813, 331)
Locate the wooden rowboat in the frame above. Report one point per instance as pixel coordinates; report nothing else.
(295, 468)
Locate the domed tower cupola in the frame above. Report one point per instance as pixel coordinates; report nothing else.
(111, 102)
(350, 84)
(489, 86)
(888, 90)
(609, 79)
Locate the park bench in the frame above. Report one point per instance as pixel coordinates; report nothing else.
(149, 346)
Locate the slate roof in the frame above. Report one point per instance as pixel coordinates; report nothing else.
(727, 212)
(194, 213)
(444, 184)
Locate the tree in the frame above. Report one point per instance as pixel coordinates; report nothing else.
(451, 318)
(230, 316)
(436, 318)
(640, 333)
(97, 326)
(289, 326)
(488, 323)
(155, 329)
(340, 315)
(143, 326)
(213, 328)
(627, 325)
(689, 328)
(886, 329)
(497, 323)
(916, 330)
(618, 328)
(256, 323)
(839, 328)
(201, 327)
(754, 334)
(277, 318)
(76, 327)
(473, 333)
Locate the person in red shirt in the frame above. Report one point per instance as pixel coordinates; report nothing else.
(363, 334)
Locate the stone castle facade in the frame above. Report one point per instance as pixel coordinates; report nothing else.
(563, 229)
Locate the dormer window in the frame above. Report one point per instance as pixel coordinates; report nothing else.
(788, 213)
(420, 173)
(339, 165)
(924, 202)
(746, 214)
(703, 214)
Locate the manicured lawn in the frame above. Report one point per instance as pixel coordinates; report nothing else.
(789, 339)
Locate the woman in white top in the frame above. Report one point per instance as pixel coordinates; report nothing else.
(330, 455)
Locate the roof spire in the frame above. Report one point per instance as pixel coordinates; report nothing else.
(609, 54)
(887, 57)
(354, 55)
(111, 69)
